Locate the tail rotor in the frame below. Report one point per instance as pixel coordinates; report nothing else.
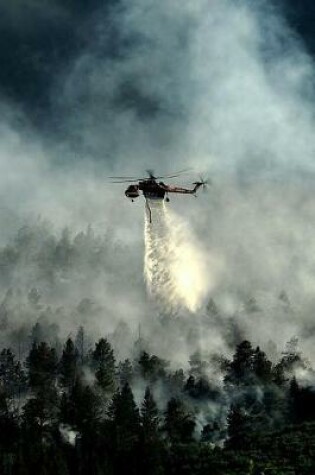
(203, 183)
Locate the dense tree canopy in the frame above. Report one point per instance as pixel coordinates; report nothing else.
(74, 409)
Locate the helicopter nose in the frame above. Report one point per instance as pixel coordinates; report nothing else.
(131, 194)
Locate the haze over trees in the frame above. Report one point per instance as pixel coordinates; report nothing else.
(71, 403)
(61, 413)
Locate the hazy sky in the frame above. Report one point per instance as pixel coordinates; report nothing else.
(41, 38)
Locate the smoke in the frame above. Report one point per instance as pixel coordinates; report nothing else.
(68, 435)
(176, 266)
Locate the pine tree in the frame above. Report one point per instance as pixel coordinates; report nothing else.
(238, 427)
(152, 446)
(125, 372)
(103, 361)
(125, 432)
(12, 376)
(40, 435)
(144, 364)
(81, 407)
(240, 371)
(179, 423)
(41, 411)
(9, 434)
(42, 365)
(152, 367)
(278, 375)
(262, 367)
(149, 416)
(190, 386)
(68, 364)
(211, 432)
(125, 417)
(294, 393)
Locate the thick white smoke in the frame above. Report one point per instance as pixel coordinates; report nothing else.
(176, 269)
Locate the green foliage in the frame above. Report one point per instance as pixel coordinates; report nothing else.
(238, 428)
(125, 431)
(240, 370)
(179, 423)
(152, 446)
(152, 367)
(68, 365)
(125, 372)
(262, 367)
(41, 411)
(59, 412)
(212, 432)
(81, 407)
(12, 376)
(42, 366)
(125, 417)
(103, 361)
(201, 388)
(149, 416)
(263, 417)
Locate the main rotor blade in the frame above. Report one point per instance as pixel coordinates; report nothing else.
(124, 181)
(176, 174)
(124, 178)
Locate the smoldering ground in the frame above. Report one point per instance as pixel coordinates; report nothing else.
(222, 87)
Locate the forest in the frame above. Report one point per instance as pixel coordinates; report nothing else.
(74, 411)
(72, 403)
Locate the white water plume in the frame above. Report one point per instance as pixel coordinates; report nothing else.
(175, 267)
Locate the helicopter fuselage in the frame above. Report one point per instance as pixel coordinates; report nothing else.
(151, 189)
(154, 190)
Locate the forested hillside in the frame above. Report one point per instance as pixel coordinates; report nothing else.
(75, 403)
(76, 410)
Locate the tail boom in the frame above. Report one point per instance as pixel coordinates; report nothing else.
(184, 191)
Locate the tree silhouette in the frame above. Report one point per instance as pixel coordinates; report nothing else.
(42, 366)
(125, 420)
(240, 371)
(152, 446)
(68, 365)
(149, 416)
(103, 361)
(179, 424)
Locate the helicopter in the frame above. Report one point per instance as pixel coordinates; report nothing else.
(152, 189)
